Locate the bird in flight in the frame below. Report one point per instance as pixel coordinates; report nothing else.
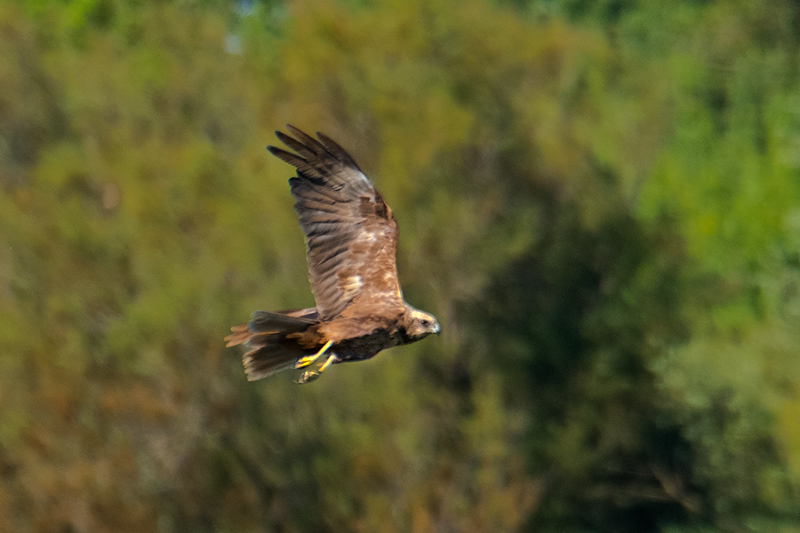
(351, 237)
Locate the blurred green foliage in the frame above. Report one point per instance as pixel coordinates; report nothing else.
(599, 200)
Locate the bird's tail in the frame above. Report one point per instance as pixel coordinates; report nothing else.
(267, 337)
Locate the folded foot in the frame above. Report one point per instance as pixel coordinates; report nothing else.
(315, 373)
(309, 359)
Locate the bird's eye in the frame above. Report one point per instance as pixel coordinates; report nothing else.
(426, 322)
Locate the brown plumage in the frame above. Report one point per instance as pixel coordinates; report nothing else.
(351, 237)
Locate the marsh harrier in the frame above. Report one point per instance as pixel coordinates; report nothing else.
(351, 236)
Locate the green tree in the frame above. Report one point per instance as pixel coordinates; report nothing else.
(599, 202)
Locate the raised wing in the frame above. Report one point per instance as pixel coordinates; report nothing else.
(351, 234)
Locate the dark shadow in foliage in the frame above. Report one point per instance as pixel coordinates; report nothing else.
(572, 326)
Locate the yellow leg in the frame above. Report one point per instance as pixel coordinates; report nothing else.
(311, 375)
(309, 359)
(327, 363)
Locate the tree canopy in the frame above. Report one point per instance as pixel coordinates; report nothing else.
(600, 201)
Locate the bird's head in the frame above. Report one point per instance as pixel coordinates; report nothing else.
(419, 324)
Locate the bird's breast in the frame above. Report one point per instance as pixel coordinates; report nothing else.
(365, 346)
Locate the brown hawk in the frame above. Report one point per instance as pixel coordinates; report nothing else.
(351, 237)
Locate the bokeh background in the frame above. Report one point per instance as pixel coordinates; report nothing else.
(600, 201)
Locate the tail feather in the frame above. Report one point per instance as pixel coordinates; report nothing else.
(266, 322)
(265, 360)
(239, 335)
(270, 350)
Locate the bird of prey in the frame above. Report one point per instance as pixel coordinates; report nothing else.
(351, 236)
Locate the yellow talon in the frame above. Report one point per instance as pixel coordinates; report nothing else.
(309, 359)
(310, 375)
